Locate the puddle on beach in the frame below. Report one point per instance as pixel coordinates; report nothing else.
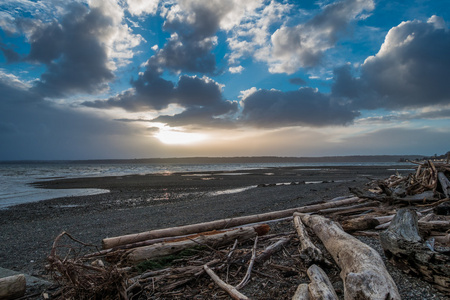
(231, 191)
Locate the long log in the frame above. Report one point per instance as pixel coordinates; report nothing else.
(219, 224)
(362, 269)
(404, 247)
(320, 287)
(308, 251)
(210, 238)
(12, 287)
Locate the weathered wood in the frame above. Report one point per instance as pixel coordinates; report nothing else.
(12, 287)
(362, 269)
(308, 251)
(320, 286)
(216, 238)
(343, 209)
(274, 248)
(231, 290)
(302, 292)
(404, 247)
(359, 223)
(218, 224)
(445, 184)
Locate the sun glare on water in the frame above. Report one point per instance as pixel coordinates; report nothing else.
(176, 137)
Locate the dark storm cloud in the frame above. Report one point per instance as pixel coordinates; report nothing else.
(201, 97)
(71, 49)
(304, 107)
(34, 128)
(411, 70)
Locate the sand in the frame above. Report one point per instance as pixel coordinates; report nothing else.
(143, 202)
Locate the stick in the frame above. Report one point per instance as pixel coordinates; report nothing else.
(231, 290)
(250, 266)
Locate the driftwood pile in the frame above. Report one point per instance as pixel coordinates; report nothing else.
(315, 256)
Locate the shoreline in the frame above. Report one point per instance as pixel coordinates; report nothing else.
(139, 203)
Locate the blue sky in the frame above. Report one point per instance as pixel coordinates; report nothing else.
(136, 79)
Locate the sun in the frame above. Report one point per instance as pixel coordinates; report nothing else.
(178, 137)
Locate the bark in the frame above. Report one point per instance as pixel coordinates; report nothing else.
(445, 184)
(362, 269)
(12, 287)
(320, 286)
(405, 248)
(219, 224)
(308, 251)
(209, 238)
(231, 290)
(360, 223)
(302, 292)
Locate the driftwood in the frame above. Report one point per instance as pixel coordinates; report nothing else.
(302, 292)
(320, 286)
(231, 290)
(269, 251)
(362, 269)
(219, 224)
(445, 184)
(308, 251)
(216, 238)
(404, 247)
(12, 287)
(360, 223)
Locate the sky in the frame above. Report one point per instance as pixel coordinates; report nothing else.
(104, 79)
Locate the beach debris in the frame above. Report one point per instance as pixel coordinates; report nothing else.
(112, 242)
(237, 257)
(362, 269)
(12, 287)
(405, 248)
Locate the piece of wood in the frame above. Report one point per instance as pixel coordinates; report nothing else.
(404, 247)
(12, 287)
(274, 248)
(231, 290)
(302, 292)
(359, 223)
(345, 208)
(362, 269)
(445, 184)
(219, 224)
(215, 238)
(320, 286)
(308, 251)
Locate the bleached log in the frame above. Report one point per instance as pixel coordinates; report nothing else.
(231, 290)
(320, 286)
(12, 287)
(404, 247)
(445, 184)
(308, 251)
(302, 292)
(362, 269)
(343, 209)
(219, 224)
(209, 238)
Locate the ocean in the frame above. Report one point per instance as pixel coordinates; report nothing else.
(15, 178)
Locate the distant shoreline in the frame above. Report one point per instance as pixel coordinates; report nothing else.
(237, 159)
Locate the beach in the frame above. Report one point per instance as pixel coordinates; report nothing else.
(139, 203)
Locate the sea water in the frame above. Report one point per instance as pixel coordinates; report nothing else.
(15, 178)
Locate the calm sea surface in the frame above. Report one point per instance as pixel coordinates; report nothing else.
(15, 178)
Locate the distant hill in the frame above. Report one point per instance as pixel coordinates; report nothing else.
(244, 159)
